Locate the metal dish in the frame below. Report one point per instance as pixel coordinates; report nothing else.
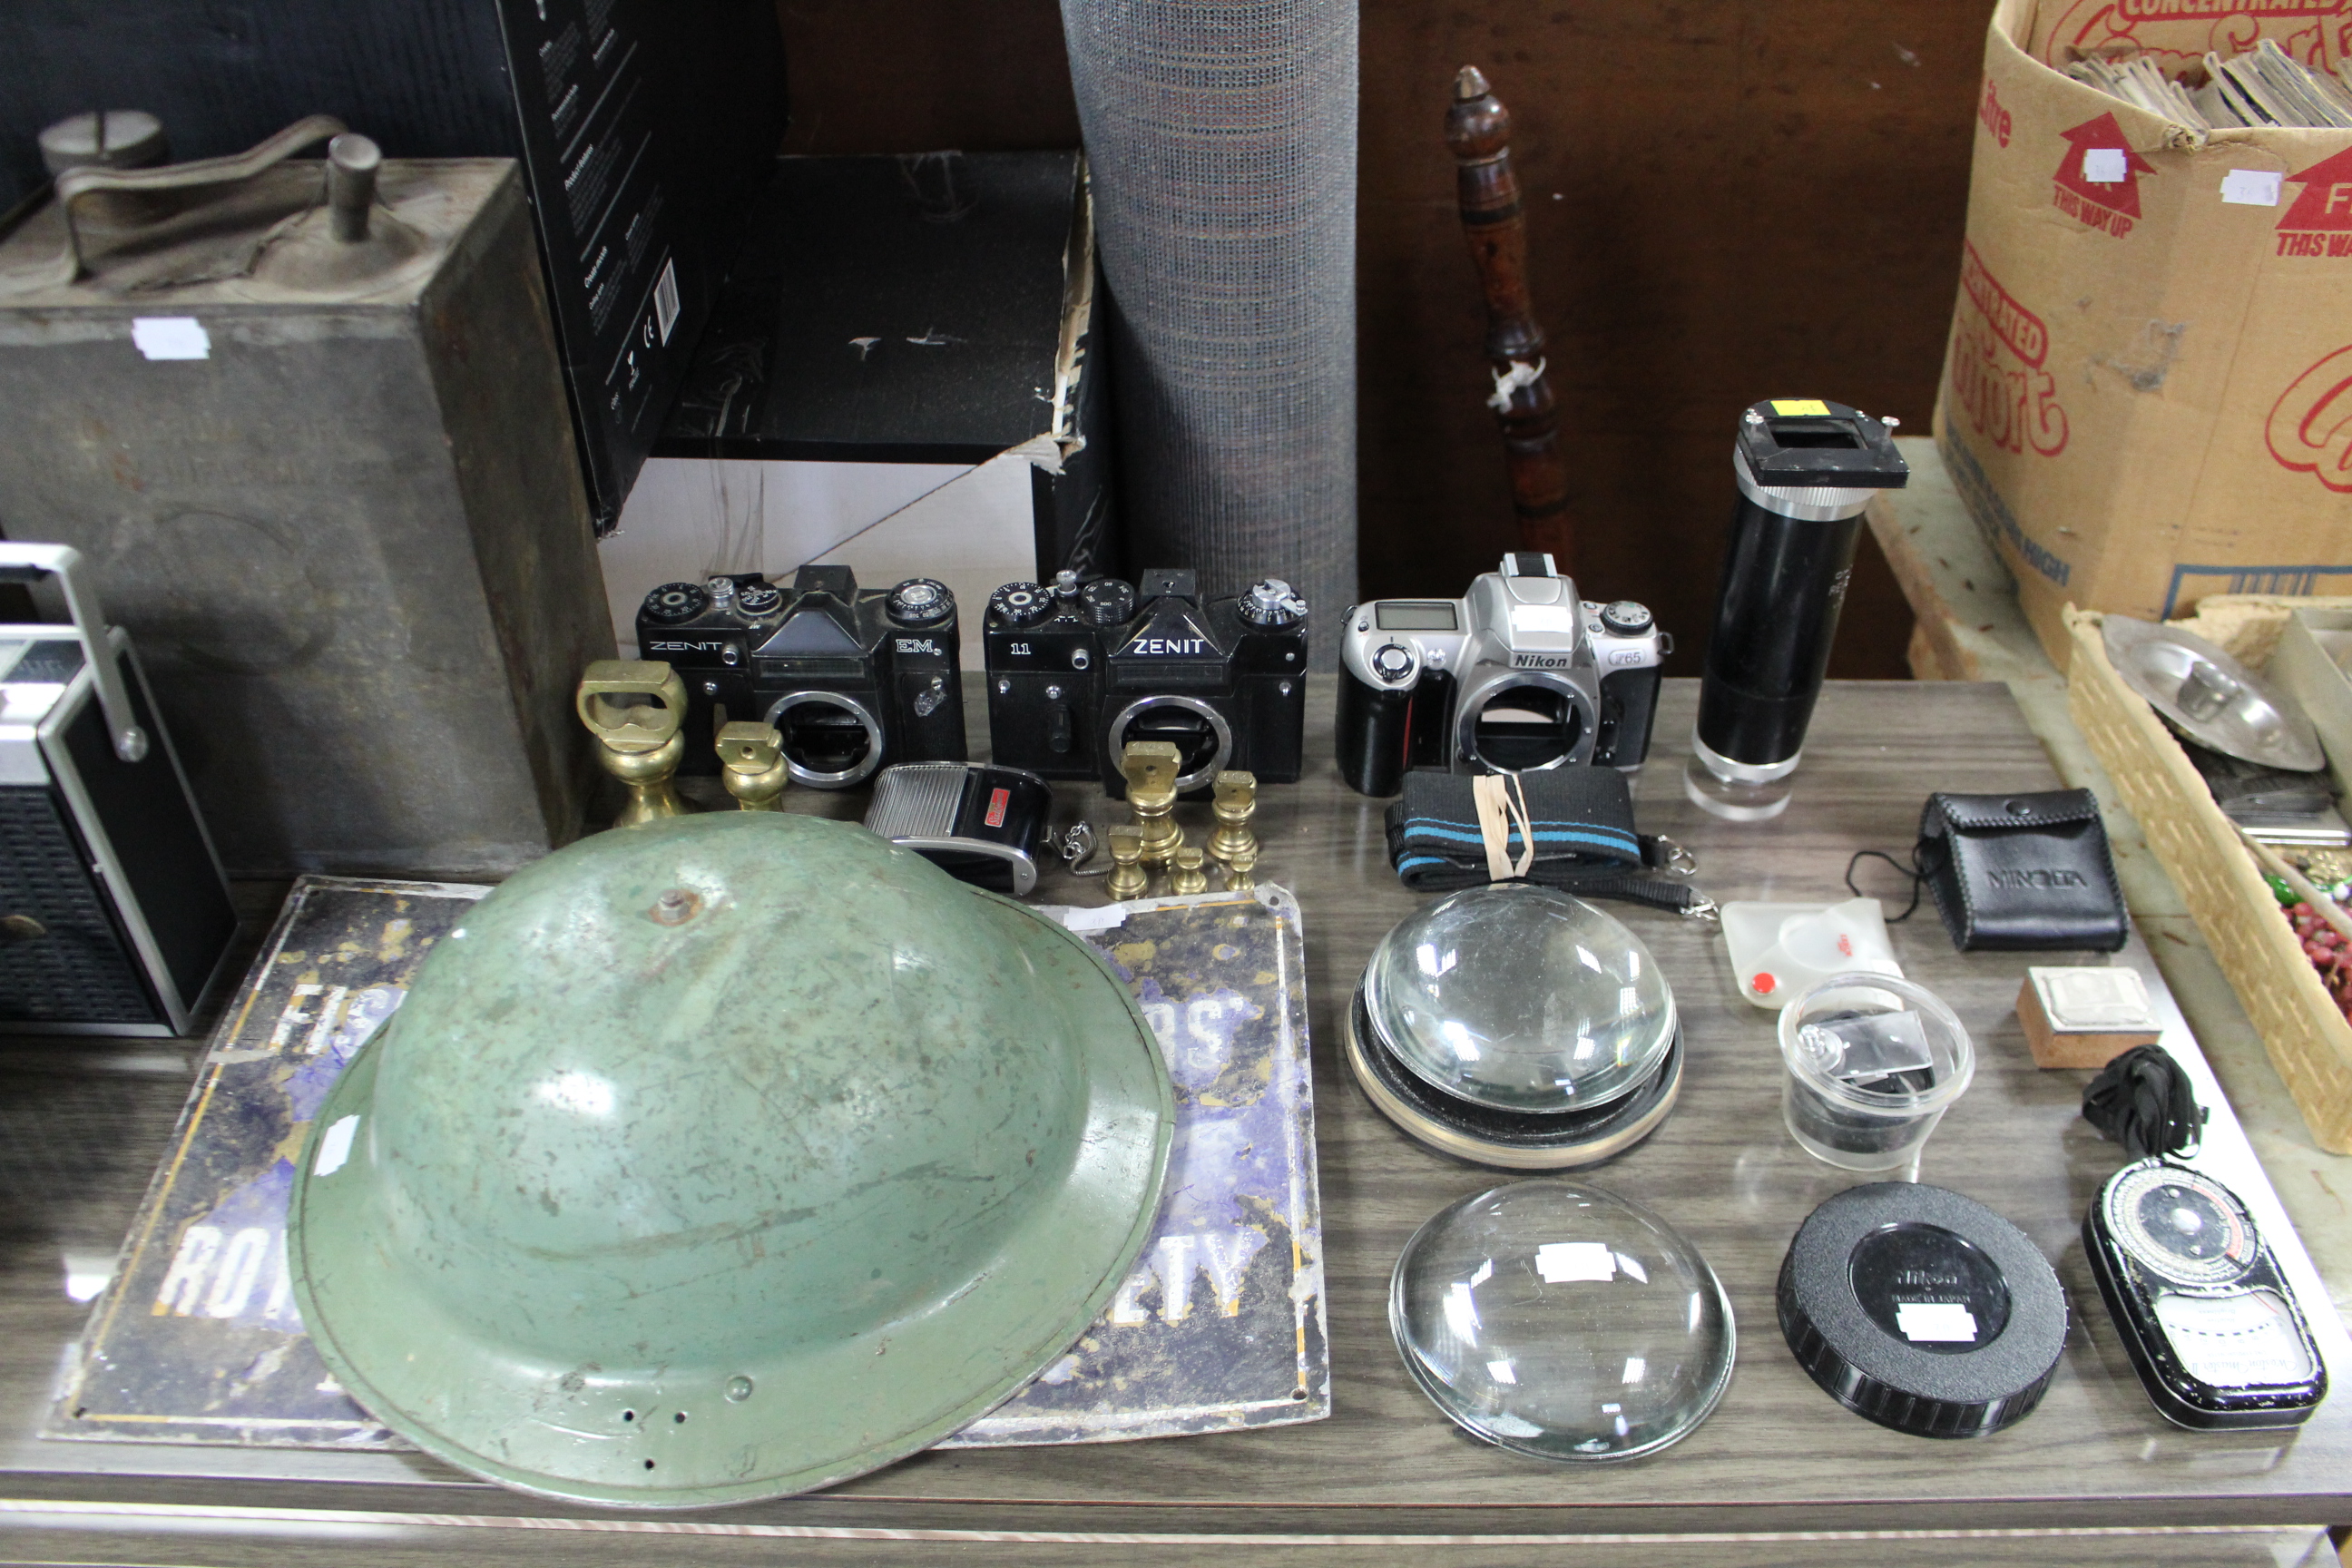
(2211, 698)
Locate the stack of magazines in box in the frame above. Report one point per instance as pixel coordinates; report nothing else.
(2265, 87)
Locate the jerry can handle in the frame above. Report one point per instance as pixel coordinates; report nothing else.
(30, 564)
(229, 168)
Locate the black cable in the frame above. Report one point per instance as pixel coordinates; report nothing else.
(1919, 879)
(2143, 1101)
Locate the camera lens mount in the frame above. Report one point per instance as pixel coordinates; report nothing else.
(840, 731)
(1523, 721)
(1206, 723)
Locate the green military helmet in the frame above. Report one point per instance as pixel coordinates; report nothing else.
(723, 1158)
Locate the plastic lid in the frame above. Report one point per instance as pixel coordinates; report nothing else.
(1922, 1310)
(1520, 998)
(1555, 1320)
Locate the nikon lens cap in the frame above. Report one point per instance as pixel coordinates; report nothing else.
(1922, 1310)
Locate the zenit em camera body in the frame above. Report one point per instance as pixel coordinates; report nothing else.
(1516, 676)
(851, 680)
(1078, 671)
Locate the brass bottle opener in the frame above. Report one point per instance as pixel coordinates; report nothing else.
(642, 742)
(1152, 768)
(751, 762)
(1232, 845)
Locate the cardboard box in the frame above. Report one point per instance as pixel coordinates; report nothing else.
(2147, 394)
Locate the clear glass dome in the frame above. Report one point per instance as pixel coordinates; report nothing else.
(1520, 998)
(1555, 1320)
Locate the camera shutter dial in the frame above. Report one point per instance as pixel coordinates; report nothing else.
(1020, 604)
(1626, 618)
(1272, 604)
(1109, 602)
(1392, 663)
(920, 602)
(759, 598)
(674, 602)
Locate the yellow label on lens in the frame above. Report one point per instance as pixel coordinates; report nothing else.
(1789, 407)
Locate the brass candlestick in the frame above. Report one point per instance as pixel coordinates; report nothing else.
(751, 763)
(1127, 878)
(1152, 768)
(1189, 877)
(1234, 845)
(641, 742)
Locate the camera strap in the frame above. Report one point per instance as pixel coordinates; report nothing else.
(1570, 829)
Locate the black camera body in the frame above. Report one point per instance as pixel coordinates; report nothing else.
(1079, 670)
(853, 680)
(1519, 675)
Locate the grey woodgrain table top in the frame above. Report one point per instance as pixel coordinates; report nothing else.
(1778, 1455)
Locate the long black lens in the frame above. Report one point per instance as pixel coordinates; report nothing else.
(1806, 469)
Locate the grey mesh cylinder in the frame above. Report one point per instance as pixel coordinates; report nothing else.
(1222, 135)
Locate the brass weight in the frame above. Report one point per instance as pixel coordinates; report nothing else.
(751, 763)
(640, 743)
(1127, 878)
(1152, 768)
(1232, 845)
(1189, 877)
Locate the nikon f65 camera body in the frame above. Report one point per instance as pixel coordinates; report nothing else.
(1078, 671)
(852, 680)
(1518, 675)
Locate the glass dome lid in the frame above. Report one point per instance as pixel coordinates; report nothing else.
(1556, 1321)
(1520, 998)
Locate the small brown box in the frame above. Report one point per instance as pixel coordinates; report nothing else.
(2083, 1017)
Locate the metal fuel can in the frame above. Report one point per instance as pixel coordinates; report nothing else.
(306, 423)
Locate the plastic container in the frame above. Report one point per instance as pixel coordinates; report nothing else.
(1873, 1061)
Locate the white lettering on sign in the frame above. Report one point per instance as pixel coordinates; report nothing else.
(221, 1274)
(2251, 187)
(171, 337)
(2104, 165)
(1176, 1262)
(1169, 645)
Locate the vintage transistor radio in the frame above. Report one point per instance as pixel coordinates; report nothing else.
(114, 916)
(306, 424)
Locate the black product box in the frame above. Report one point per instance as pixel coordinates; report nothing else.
(642, 125)
(901, 375)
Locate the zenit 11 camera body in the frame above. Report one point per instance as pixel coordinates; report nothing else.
(1518, 675)
(1078, 671)
(852, 680)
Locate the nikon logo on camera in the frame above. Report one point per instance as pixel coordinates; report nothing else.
(2055, 878)
(1177, 647)
(1541, 661)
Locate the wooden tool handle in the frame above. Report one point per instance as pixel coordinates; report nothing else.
(1478, 130)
